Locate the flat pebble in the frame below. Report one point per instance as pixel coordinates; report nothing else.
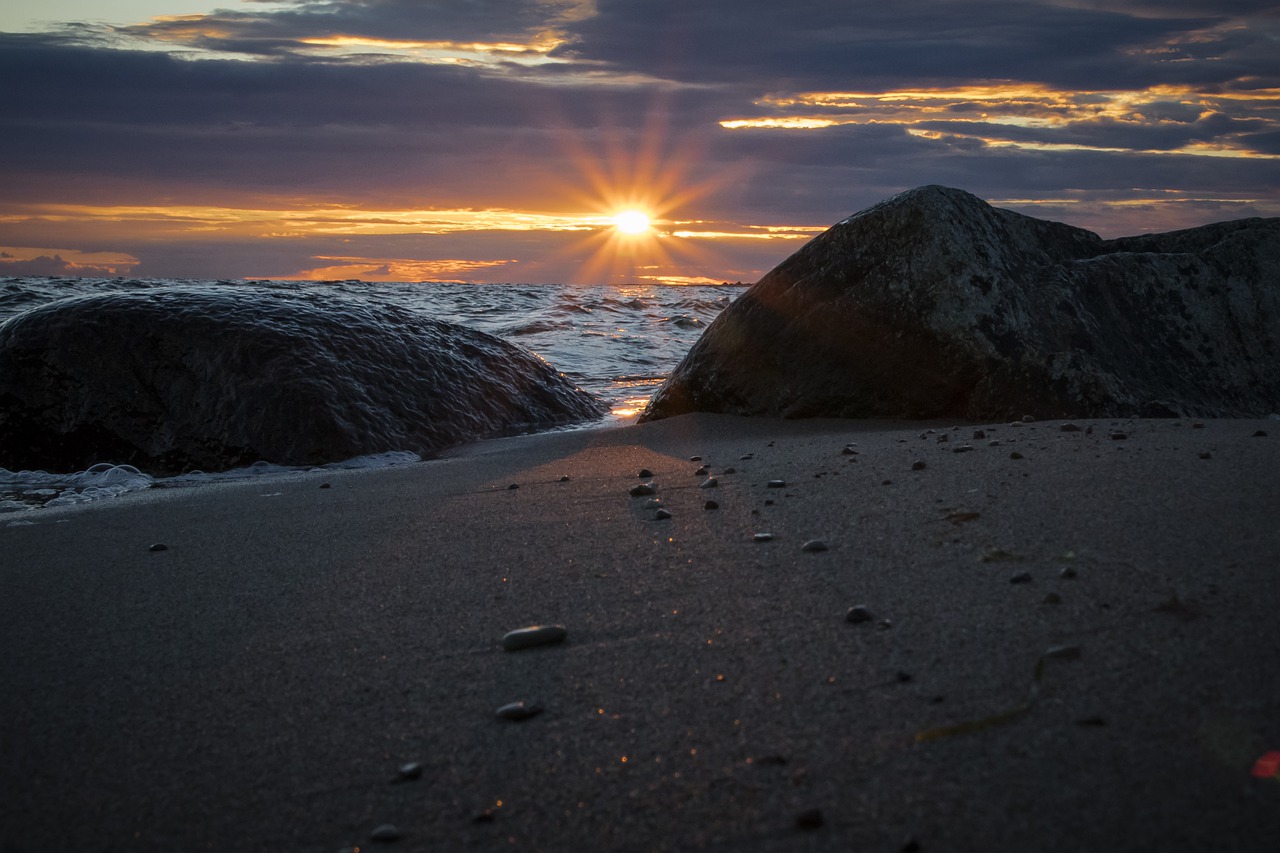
(518, 711)
(326, 486)
(564, 478)
(1016, 455)
(1028, 419)
(776, 484)
(1052, 598)
(731, 470)
(849, 450)
(1118, 435)
(662, 514)
(1021, 577)
(979, 435)
(386, 832)
(858, 614)
(709, 483)
(702, 472)
(534, 635)
(1204, 454)
(814, 545)
(918, 465)
(409, 770)
(642, 490)
(762, 537)
(1063, 653)
(1068, 573)
(1070, 427)
(653, 503)
(1262, 433)
(711, 505)
(695, 458)
(809, 819)
(644, 474)
(159, 546)
(514, 486)
(964, 448)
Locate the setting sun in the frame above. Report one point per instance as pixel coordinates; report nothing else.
(631, 222)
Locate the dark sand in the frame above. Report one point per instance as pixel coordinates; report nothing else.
(256, 686)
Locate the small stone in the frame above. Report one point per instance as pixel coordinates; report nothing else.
(644, 474)
(702, 472)
(979, 435)
(1063, 653)
(731, 470)
(662, 514)
(711, 505)
(1262, 433)
(814, 546)
(642, 490)
(884, 625)
(1016, 455)
(1015, 423)
(1197, 425)
(858, 614)
(886, 482)
(809, 819)
(744, 457)
(159, 546)
(1067, 573)
(653, 503)
(565, 478)
(964, 448)
(485, 816)
(776, 484)
(1028, 419)
(1052, 598)
(910, 845)
(409, 770)
(1117, 435)
(534, 635)
(518, 711)
(762, 537)
(386, 832)
(1070, 427)
(944, 437)
(514, 486)
(709, 483)
(918, 465)
(1204, 454)
(995, 442)
(695, 458)
(768, 503)
(1021, 577)
(326, 486)
(903, 677)
(849, 450)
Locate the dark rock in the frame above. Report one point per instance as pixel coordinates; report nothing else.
(179, 378)
(159, 546)
(934, 304)
(662, 514)
(534, 635)
(519, 711)
(809, 819)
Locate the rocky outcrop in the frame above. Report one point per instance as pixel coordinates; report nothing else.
(182, 378)
(935, 304)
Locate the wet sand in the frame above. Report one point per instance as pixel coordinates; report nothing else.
(1078, 649)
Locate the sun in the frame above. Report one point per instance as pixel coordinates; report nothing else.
(632, 222)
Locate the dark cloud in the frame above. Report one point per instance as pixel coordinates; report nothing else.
(53, 265)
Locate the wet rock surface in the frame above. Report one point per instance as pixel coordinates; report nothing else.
(183, 378)
(935, 304)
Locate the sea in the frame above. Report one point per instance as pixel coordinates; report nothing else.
(616, 341)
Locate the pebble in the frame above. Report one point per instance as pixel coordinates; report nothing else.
(918, 465)
(1067, 573)
(944, 437)
(776, 484)
(884, 625)
(1021, 577)
(1118, 435)
(1262, 433)
(1204, 454)
(1197, 425)
(1016, 455)
(564, 478)
(1070, 427)
(409, 770)
(695, 458)
(653, 503)
(995, 442)
(1028, 419)
(964, 448)
(746, 456)
(709, 483)
(809, 819)
(849, 450)
(662, 514)
(386, 832)
(702, 472)
(518, 711)
(159, 546)
(644, 474)
(326, 486)
(534, 635)
(858, 614)
(1063, 653)
(1052, 598)
(731, 470)
(762, 537)
(814, 545)
(642, 490)
(711, 505)
(886, 482)
(514, 486)
(979, 435)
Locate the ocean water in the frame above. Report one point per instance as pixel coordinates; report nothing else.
(618, 342)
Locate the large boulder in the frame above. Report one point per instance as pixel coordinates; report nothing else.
(935, 304)
(181, 378)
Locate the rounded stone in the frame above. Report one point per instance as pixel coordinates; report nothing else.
(534, 635)
(662, 514)
(858, 614)
(918, 465)
(159, 546)
(814, 546)
(709, 483)
(519, 711)
(386, 832)
(711, 505)
(409, 770)
(644, 474)
(642, 490)
(809, 819)
(776, 484)
(762, 537)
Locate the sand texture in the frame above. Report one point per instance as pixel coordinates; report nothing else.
(258, 684)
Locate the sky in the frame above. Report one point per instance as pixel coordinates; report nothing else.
(500, 140)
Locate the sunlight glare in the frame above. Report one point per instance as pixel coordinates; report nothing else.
(632, 222)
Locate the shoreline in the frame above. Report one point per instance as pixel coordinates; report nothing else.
(256, 685)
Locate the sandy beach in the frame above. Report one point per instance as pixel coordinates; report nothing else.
(1074, 649)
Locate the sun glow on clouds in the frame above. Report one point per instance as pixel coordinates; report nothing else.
(979, 111)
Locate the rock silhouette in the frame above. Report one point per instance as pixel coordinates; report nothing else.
(180, 378)
(935, 304)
